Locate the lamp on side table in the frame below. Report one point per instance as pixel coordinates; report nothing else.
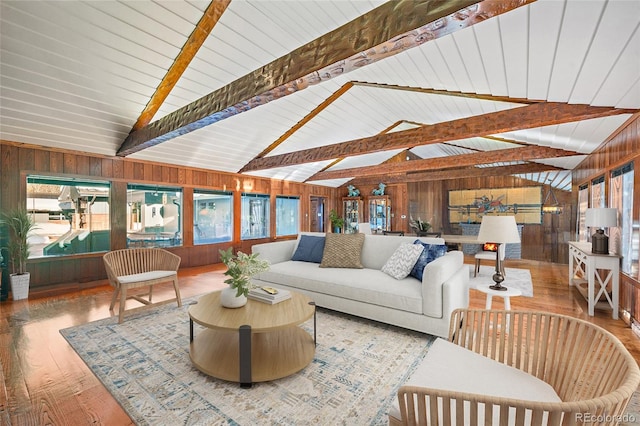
(600, 218)
(500, 230)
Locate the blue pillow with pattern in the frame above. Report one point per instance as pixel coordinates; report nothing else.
(430, 252)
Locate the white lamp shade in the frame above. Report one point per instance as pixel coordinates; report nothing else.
(499, 229)
(599, 217)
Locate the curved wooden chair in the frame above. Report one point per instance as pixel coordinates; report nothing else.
(140, 267)
(589, 369)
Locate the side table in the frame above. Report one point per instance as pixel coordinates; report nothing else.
(597, 272)
(506, 295)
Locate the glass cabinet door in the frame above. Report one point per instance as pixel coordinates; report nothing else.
(379, 214)
(352, 208)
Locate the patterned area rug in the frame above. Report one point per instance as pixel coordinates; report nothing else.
(516, 278)
(145, 364)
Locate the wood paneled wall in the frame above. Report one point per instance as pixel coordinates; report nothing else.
(622, 148)
(545, 242)
(19, 160)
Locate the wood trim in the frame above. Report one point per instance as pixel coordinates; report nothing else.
(187, 53)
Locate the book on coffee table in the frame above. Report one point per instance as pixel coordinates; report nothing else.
(269, 295)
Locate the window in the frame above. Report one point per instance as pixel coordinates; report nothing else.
(154, 216)
(583, 203)
(597, 192)
(212, 216)
(71, 215)
(255, 216)
(622, 236)
(287, 215)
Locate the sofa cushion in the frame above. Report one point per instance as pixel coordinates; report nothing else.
(402, 260)
(430, 253)
(342, 251)
(365, 285)
(448, 366)
(310, 249)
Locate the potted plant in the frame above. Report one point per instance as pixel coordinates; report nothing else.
(19, 224)
(240, 269)
(337, 222)
(419, 226)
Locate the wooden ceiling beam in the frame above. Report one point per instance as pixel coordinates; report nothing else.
(387, 30)
(307, 118)
(482, 97)
(469, 172)
(199, 34)
(525, 117)
(525, 153)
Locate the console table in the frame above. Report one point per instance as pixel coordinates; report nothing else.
(587, 269)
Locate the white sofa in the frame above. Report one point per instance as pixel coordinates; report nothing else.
(370, 293)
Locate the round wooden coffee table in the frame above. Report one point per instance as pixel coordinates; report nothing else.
(255, 343)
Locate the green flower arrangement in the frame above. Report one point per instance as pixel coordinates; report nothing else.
(419, 225)
(241, 268)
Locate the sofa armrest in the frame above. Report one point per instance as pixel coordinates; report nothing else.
(276, 252)
(446, 281)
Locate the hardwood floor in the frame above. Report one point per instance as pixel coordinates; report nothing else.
(44, 382)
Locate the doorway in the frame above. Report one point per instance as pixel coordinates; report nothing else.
(317, 214)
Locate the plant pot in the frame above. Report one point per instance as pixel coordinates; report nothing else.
(20, 285)
(228, 298)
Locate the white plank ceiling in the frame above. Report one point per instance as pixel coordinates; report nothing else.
(78, 74)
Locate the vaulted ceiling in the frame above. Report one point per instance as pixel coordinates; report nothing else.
(324, 92)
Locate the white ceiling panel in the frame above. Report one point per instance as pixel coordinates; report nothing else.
(77, 75)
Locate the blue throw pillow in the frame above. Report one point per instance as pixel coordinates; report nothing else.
(430, 252)
(310, 249)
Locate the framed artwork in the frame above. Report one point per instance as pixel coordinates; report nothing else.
(469, 205)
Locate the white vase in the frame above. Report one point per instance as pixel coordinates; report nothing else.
(228, 298)
(20, 285)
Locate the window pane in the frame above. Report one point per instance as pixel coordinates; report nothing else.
(287, 215)
(212, 217)
(621, 237)
(597, 192)
(583, 203)
(154, 216)
(255, 216)
(71, 216)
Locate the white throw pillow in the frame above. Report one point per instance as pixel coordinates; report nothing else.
(402, 260)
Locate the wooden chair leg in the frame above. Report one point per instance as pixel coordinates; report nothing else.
(150, 293)
(114, 297)
(177, 289)
(123, 301)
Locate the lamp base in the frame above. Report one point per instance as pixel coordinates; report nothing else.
(498, 278)
(599, 243)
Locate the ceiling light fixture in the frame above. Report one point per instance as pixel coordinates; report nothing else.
(553, 207)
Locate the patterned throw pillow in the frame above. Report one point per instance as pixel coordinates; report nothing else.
(342, 251)
(402, 260)
(430, 253)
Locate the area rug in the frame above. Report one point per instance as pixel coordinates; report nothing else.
(145, 364)
(516, 278)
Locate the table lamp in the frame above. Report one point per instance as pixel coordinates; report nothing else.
(600, 217)
(500, 230)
